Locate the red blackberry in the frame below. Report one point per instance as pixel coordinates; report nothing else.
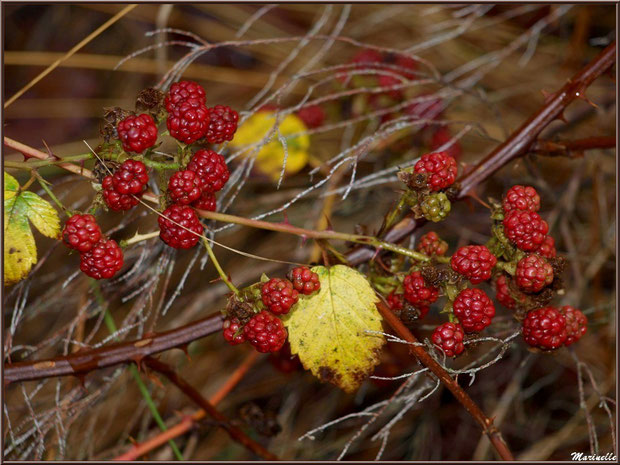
(527, 230)
(137, 133)
(521, 198)
(265, 332)
(442, 136)
(122, 190)
(440, 168)
(544, 328)
(211, 168)
(407, 64)
(503, 293)
(283, 360)
(395, 301)
(222, 124)
(278, 295)
(312, 115)
(367, 56)
(431, 244)
(174, 226)
(474, 309)
(304, 280)
(184, 187)
(103, 260)
(417, 292)
(188, 121)
(81, 232)
(533, 273)
(206, 201)
(576, 324)
(449, 338)
(547, 248)
(233, 333)
(183, 90)
(475, 262)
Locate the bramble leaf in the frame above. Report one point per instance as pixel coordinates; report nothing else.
(20, 251)
(270, 158)
(328, 330)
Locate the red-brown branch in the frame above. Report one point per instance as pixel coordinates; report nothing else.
(234, 432)
(81, 363)
(485, 423)
(571, 148)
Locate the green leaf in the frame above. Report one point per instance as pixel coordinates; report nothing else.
(20, 251)
(328, 330)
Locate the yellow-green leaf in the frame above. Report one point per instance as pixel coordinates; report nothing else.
(270, 158)
(11, 186)
(20, 251)
(329, 329)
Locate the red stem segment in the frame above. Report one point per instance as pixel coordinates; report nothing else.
(485, 423)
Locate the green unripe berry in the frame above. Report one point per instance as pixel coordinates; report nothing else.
(435, 207)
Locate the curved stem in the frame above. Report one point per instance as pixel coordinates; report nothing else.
(219, 269)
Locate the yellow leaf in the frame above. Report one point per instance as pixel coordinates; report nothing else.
(328, 330)
(270, 158)
(11, 186)
(20, 250)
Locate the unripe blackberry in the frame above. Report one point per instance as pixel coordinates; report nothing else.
(547, 248)
(184, 187)
(211, 169)
(523, 198)
(304, 280)
(123, 189)
(103, 260)
(179, 227)
(503, 293)
(431, 244)
(265, 332)
(441, 170)
(184, 90)
(188, 120)
(417, 292)
(533, 273)
(312, 116)
(222, 124)
(544, 328)
(232, 331)
(576, 324)
(137, 133)
(278, 295)
(206, 201)
(475, 262)
(81, 232)
(435, 207)
(449, 338)
(474, 309)
(527, 230)
(395, 301)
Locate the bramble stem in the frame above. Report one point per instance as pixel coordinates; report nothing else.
(46, 188)
(219, 269)
(109, 322)
(139, 238)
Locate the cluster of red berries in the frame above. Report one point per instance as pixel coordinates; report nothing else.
(265, 330)
(189, 119)
(549, 328)
(206, 173)
(100, 257)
